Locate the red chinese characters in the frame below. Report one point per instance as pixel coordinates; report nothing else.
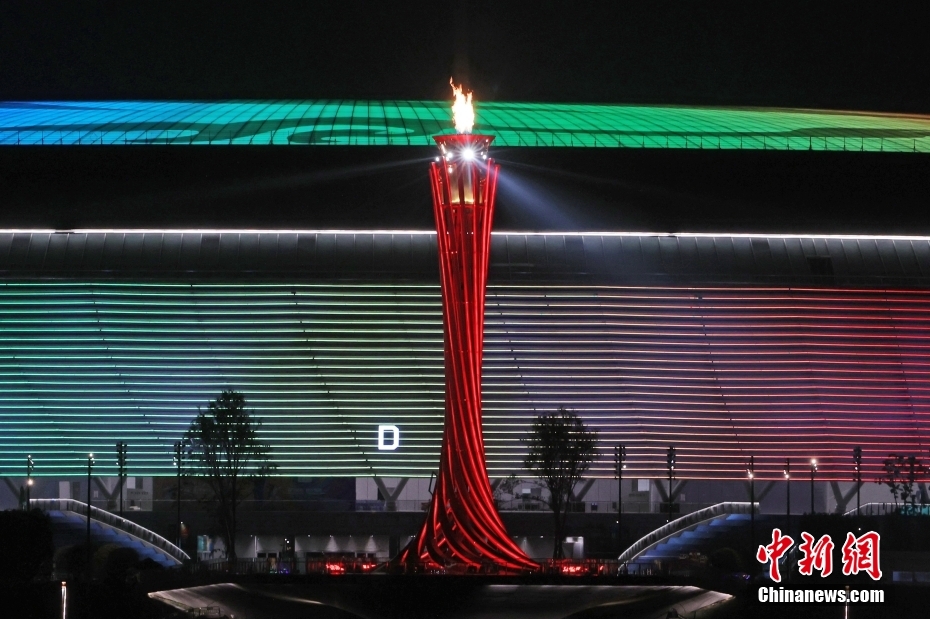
(860, 554)
(817, 555)
(775, 551)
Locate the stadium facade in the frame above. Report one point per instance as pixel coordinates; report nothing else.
(727, 346)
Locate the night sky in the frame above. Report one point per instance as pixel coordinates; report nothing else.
(804, 54)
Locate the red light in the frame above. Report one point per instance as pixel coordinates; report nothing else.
(335, 568)
(462, 525)
(573, 570)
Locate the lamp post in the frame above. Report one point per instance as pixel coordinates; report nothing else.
(813, 472)
(121, 479)
(177, 462)
(857, 460)
(619, 459)
(29, 468)
(90, 468)
(751, 471)
(670, 458)
(788, 490)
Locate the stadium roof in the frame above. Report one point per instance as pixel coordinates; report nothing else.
(412, 123)
(616, 258)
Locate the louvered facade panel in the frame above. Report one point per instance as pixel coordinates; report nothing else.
(721, 372)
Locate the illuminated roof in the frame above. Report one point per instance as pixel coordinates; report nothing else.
(723, 345)
(624, 258)
(412, 123)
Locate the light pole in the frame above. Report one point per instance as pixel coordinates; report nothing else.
(619, 459)
(813, 472)
(752, 500)
(788, 489)
(90, 468)
(29, 468)
(177, 462)
(121, 450)
(670, 458)
(857, 460)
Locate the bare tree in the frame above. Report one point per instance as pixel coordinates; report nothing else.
(559, 451)
(222, 447)
(901, 474)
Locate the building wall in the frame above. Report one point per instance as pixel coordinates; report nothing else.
(726, 346)
(720, 373)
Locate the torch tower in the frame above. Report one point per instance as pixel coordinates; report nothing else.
(462, 526)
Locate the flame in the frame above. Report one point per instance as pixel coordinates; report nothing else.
(463, 114)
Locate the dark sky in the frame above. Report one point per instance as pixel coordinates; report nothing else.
(788, 53)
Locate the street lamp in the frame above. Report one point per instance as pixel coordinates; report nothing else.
(121, 450)
(90, 468)
(857, 460)
(29, 468)
(619, 459)
(813, 472)
(670, 458)
(788, 489)
(177, 462)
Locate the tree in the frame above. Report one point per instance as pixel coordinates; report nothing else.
(900, 475)
(222, 447)
(559, 451)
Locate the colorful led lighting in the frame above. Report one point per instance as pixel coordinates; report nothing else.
(412, 123)
(743, 370)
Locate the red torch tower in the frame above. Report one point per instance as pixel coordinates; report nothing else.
(462, 527)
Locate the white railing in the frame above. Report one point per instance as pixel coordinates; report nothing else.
(883, 509)
(127, 526)
(506, 505)
(668, 530)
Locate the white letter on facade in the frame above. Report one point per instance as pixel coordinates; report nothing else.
(395, 438)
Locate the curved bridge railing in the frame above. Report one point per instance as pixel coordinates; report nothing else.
(685, 522)
(883, 509)
(126, 526)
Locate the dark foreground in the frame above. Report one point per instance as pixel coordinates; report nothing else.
(387, 597)
(384, 597)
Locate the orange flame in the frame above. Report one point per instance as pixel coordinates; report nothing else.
(463, 114)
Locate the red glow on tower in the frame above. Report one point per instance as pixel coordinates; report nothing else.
(462, 527)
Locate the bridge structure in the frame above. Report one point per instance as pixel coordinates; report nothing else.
(689, 533)
(69, 525)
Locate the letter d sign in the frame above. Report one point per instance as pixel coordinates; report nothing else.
(394, 438)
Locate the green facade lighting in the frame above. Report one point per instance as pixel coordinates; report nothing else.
(412, 123)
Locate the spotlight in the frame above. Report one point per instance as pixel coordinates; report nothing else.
(468, 154)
